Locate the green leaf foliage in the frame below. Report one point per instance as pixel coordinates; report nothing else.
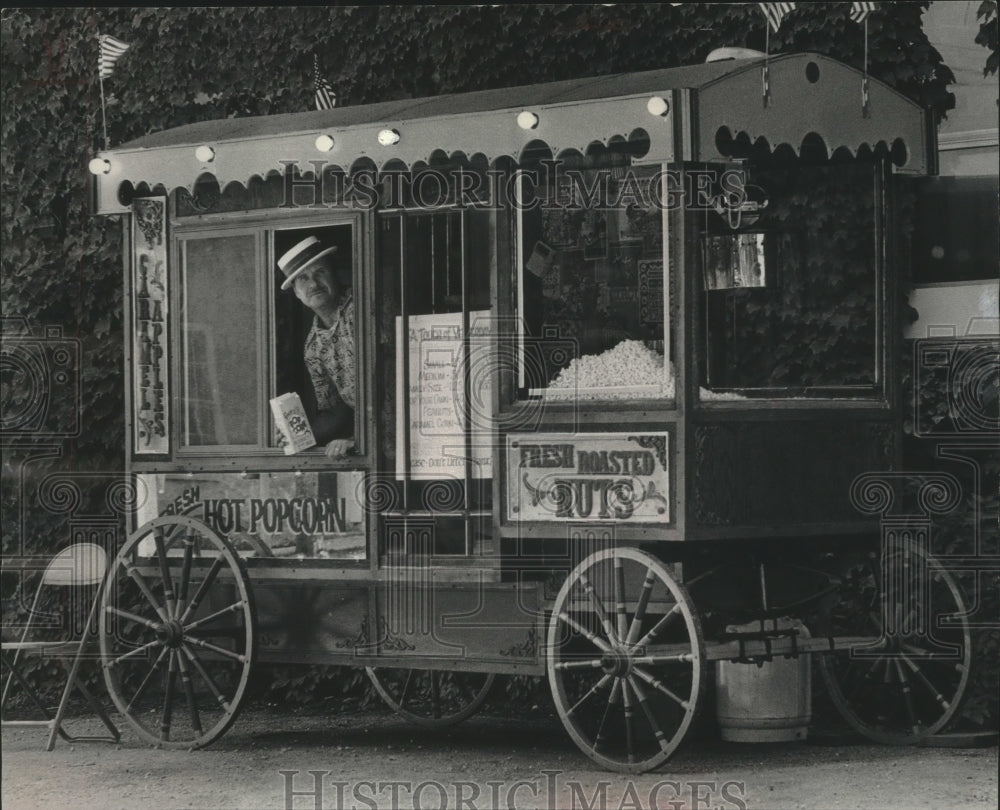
(989, 34)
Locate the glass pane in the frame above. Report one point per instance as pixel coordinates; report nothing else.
(316, 326)
(791, 299)
(300, 515)
(421, 260)
(957, 230)
(592, 287)
(221, 344)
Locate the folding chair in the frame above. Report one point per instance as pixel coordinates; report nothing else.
(77, 568)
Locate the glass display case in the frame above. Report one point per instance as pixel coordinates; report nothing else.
(591, 287)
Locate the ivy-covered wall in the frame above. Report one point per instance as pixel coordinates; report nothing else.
(61, 266)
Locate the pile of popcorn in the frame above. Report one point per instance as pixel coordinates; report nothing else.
(615, 372)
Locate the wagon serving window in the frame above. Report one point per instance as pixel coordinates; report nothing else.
(244, 340)
(238, 339)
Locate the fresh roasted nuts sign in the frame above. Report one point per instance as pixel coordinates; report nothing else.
(603, 476)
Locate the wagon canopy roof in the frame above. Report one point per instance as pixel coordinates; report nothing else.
(711, 108)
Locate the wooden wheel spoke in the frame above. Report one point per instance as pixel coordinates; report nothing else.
(640, 611)
(622, 621)
(659, 686)
(640, 694)
(111, 610)
(876, 621)
(147, 680)
(907, 696)
(599, 738)
(603, 646)
(168, 583)
(206, 583)
(598, 605)
(200, 668)
(205, 645)
(431, 698)
(660, 626)
(866, 679)
(140, 581)
(236, 607)
(931, 655)
(590, 663)
(406, 687)
(926, 683)
(189, 694)
(463, 687)
(629, 711)
(134, 653)
(435, 694)
(185, 581)
(676, 658)
(597, 687)
(166, 716)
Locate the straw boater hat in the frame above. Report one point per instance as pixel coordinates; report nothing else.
(298, 258)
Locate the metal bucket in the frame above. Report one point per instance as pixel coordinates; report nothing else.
(767, 703)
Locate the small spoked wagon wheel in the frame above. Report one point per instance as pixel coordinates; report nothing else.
(907, 681)
(177, 632)
(429, 697)
(626, 659)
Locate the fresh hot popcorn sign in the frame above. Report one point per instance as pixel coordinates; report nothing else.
(593, 476)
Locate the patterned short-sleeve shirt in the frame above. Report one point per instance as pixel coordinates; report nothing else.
(329, 356)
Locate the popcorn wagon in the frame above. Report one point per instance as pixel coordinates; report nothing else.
(616, 378)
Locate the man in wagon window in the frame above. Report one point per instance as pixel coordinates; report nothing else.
(311, 272)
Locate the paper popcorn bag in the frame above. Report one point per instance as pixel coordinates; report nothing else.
(291, 419)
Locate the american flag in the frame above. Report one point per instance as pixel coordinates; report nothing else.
(326, 99)
(110, 50)
(775, 12)
(860, 11)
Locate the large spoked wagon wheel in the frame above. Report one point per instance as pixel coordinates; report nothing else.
(177, 633)
(626, 659)
(432, 698)
(908, 682)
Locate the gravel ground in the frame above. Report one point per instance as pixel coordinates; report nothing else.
(372, 759)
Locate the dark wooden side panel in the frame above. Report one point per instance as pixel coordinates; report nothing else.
(783, 472)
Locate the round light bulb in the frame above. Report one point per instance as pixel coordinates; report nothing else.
(205, 154)
(324, 143)
(388, 137)
(658, 106)
(99, 166)
(527, 120)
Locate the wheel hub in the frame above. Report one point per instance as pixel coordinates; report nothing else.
(171, 633)
(616, 662)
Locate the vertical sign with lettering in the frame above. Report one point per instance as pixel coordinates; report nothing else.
(149, 325)
(437, 396)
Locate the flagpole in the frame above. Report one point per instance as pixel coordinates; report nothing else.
(104, 115)
(764, 75)
(864, 80)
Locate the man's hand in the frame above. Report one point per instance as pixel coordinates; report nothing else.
(339, 448)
